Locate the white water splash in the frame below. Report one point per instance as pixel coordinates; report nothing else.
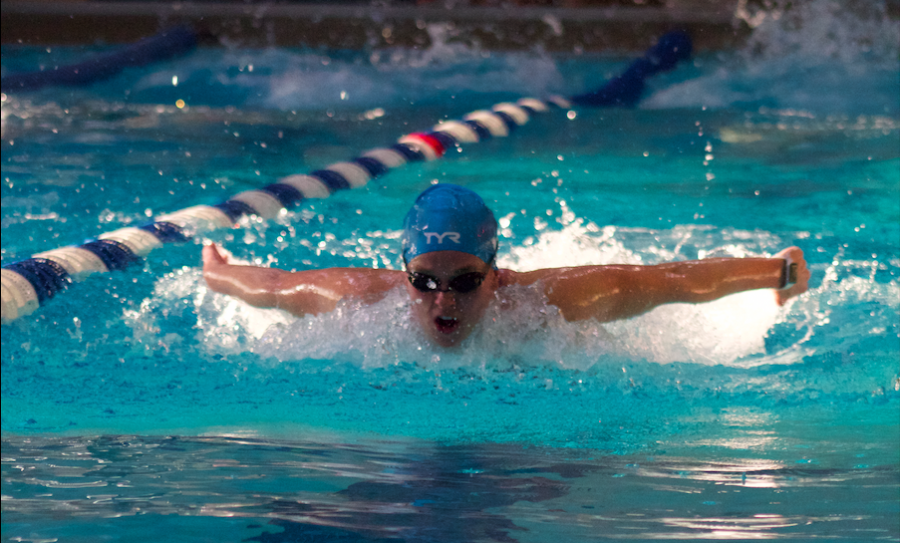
(817, 56)
(305, 80)
(839, 30)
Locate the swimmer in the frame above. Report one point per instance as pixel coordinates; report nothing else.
(449, 250)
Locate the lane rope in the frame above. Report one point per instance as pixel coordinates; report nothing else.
(29, 284)
(166, 45)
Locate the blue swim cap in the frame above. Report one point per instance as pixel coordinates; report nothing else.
(448, 217)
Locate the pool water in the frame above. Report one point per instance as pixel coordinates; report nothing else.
(138, 403)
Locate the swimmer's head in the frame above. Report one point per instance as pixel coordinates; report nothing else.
(448, 217)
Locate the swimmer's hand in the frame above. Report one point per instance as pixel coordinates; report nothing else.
(795, 256)
(212, 258)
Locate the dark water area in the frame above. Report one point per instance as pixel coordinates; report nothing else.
(135, 488)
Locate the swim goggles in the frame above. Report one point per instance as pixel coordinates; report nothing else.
(462, 284)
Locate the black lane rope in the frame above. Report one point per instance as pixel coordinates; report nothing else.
(31, 283)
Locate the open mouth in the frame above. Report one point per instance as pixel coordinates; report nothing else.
(446, 325)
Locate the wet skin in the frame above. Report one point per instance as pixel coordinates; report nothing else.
(447, 318)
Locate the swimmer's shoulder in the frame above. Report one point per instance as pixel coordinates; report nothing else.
(509, 278)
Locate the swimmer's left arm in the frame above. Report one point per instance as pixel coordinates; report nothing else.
(609, 293)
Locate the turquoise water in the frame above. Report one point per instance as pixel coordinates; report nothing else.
(137, 403)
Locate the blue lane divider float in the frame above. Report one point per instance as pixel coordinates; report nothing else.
(30, 283)
(167, 44)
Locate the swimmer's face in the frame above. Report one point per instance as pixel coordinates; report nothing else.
(446, 314)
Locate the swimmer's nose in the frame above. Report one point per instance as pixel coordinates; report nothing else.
(445, 299)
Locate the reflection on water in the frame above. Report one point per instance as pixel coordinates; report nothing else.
(231, 488)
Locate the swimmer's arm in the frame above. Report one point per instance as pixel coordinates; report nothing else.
(609, 293)
(300, 293)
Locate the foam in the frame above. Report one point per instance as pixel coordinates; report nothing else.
(795, 47)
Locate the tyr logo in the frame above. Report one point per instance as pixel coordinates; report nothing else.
(452, 236)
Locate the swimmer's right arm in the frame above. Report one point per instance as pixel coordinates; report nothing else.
(300, 293)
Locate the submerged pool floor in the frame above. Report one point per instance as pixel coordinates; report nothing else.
(138, 403)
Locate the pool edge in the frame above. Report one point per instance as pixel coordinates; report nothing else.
(713, 25)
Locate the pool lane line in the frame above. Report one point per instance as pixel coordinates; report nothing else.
(28, 284)
(168, 44)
